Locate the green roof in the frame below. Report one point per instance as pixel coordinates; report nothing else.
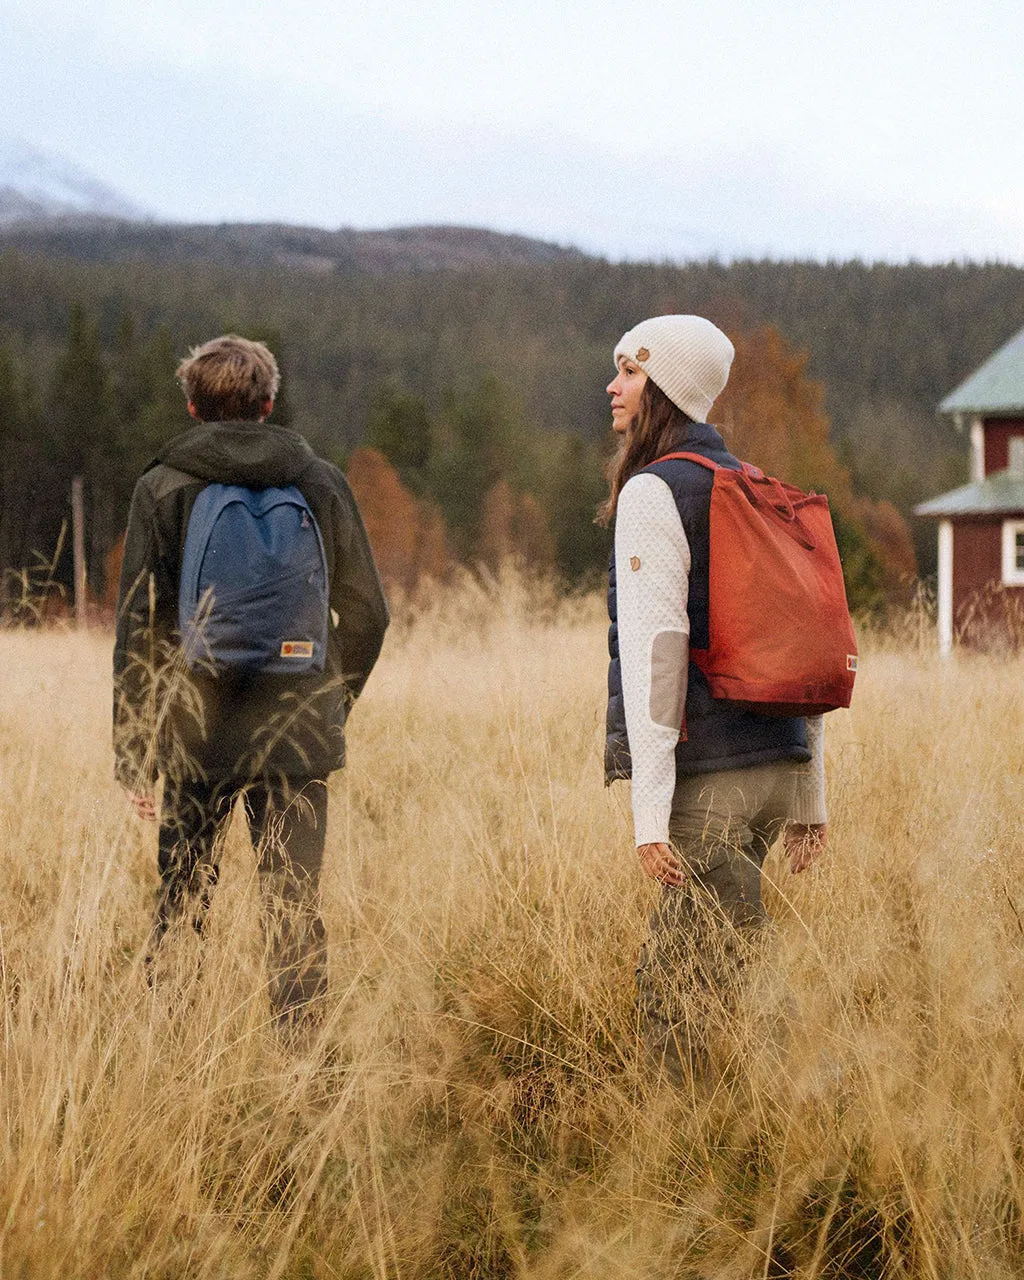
(1001, 493)
(997, 387)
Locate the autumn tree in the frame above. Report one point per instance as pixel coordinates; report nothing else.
(406, 534)
(773, 414)
(513, 527)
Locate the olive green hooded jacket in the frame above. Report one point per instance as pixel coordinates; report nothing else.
(184, 723)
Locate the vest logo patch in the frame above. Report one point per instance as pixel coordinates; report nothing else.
(643, 354)
(634, 563)
(296, 648)
(851, 662)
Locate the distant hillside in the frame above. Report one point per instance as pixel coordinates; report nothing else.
(303, 249)
(50, 205)
(433, 311)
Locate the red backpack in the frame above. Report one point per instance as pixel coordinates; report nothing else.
(780, 638)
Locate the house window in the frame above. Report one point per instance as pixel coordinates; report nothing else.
(1016, 459)
(1013, 553)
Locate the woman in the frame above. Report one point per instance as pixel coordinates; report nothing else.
(713, 785)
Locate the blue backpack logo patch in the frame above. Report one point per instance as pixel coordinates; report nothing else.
(253, 593)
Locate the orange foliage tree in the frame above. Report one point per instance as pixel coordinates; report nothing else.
(407, 536)
(513, 527)
(773, 415)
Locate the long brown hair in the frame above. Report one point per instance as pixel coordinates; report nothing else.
(658, 428)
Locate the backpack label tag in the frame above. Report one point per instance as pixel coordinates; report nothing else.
(296, 648)
(851, 662)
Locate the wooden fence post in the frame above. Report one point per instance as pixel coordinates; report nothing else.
(78, 540)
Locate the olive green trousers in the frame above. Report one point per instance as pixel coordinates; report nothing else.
(703, 932)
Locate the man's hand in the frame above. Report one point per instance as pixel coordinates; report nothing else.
(804, 844)
(144, 804)
(661, 863)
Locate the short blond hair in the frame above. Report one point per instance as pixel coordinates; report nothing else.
(229, 378)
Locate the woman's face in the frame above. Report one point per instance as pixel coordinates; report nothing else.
(625, 390)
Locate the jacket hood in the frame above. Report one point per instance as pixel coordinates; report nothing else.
(257, 455)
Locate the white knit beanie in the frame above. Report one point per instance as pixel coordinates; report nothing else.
(686, 356)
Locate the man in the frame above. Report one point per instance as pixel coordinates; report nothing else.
(219, 719)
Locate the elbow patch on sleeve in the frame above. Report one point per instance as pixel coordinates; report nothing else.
(669, 656)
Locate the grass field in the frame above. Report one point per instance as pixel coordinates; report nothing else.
(476, 1105)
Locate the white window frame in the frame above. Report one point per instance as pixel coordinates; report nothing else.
(977, 449)
(1012, 576)
(1017, 440)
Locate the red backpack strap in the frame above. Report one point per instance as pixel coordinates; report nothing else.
(770, 490)
(748, 468)
(688, 457)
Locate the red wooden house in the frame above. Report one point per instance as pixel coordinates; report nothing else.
(981, 525)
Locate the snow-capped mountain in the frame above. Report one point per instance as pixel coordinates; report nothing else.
(36, 185)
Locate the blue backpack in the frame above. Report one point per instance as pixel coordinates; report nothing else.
(253, 594)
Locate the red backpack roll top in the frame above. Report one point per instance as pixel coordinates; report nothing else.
(780, 637)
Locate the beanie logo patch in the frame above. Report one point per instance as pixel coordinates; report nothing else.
(643, 354)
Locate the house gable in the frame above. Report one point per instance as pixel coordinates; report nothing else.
(994, 389)
(981, 524)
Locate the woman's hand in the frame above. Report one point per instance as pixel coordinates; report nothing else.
(804, 844)
(661, 863)
(144, 804)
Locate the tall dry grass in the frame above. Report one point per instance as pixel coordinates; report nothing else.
(476, 1105)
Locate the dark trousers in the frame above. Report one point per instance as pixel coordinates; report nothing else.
(287, 825)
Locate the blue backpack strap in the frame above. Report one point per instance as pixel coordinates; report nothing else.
(208, 505)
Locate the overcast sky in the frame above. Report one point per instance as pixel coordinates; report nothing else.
(640, 128)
